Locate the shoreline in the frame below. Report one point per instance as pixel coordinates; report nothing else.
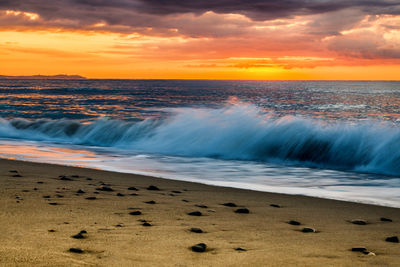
(264, 233)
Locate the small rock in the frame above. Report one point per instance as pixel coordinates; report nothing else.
(196, 230)
(105, 188)
(78, 236)
(51, 231)
(59, 196)
(17, 175)
(184, 200)
(308, 230)
(40, 182)
(136, 212)
(83, 232)
(133, 188)
(359, 249)
(153, 188)
(53, 203)
(369, 253)
(146, 224)
(293, 222)
(13, 171)
(75, 250)
(89, 179)
(383, 219)
(80, 191)
(65, 178)
(201, 247)
(90, 198)
(242, 210)
(46, 196)
(393, 239)
(240, 249)
(25, 191)
(275, 205)
(176, 191)
(358, 222)
(35, 188)
(120, 195)
(150, 202)
(75, 176)
(229, 204)
(195, 213)
(202, 206)
(133, 194)
(119, 225)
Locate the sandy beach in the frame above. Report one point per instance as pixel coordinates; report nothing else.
(43, 206)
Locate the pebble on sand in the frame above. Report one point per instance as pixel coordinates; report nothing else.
(359, 249)
(202, 206)
(196, 230)
(242, 210)
(80, 191)
(293, 222)
(76, 250)
(147, 224)
(176, 191)
(105, 188)
(90, 198)
(64, 178)
(229, 204)
(240, 249)
(383, 219)
(308, 230)
(275, 205)
(358, 222)
(201, 247)
(150, 202)
(53, 203)
(51, 231)
(195, 213)
(120, 195)
(133, 188)
(79, 236)
(153, 188)
(16, 175)
(136, 212)
(393, 239)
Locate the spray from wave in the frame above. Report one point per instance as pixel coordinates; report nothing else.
(235, 131)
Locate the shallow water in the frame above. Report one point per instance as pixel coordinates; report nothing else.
(336, 140)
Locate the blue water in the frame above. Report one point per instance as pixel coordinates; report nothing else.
(330, 139)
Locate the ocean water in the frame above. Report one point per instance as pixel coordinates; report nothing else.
(331, 139)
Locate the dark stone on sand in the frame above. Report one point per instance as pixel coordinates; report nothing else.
(383, 219)
(195, 213)
(96, 193)
(308, 230)
(133, 188)
(40, 182)
(51, 231)
(150, 202)
(53, 203)
(75, 250)
(293, 222)
(202, 206)
(46, 196)
(184, 200)
(35, 189)
(229, 204)
(75, 176)
(176, 191)
(240, 249)
(25, 191)
(359, 249)
(59, 196)
(83, 232)
(80, 191)
(133, 194)
(172, 195)
(16, 175)
(242, 210)
(275, 205)
(90, 198)
(146, 224)
(120, 195)
(13, 171)
(201, 247)
(358, 222)
(136, 212)
(196, 230)
(393, 239)
(89, 179)
(153, 188)
(65, 178)
(119, 225)
(78, 236)
(105, 188)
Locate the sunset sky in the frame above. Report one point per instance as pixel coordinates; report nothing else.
(219, 39)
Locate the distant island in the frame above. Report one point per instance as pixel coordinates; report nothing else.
(45, 77)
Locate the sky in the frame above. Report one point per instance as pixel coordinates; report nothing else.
(219, 39)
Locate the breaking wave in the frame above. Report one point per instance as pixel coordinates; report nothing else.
(239, 131)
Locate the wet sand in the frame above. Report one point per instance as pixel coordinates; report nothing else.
(41, 210)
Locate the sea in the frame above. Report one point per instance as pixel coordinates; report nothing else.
(330, 139)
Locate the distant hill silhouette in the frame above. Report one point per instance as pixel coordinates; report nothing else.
(45, 77)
